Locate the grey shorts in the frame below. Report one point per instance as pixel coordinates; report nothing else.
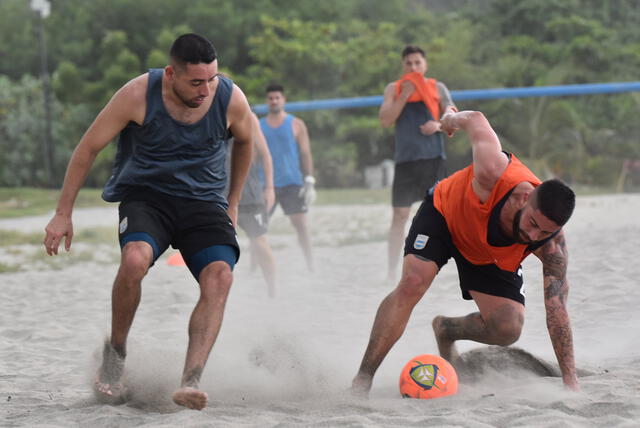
(253, 219)
(288, 197)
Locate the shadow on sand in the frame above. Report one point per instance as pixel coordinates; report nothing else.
(515, 362)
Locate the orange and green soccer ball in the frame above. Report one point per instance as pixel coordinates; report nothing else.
(428, 376)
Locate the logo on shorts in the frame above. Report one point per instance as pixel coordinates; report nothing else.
(123, 224)
(420, 242)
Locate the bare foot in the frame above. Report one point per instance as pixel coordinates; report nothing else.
(361, 385)
(107, 383)
(446, 346)
(190, 398)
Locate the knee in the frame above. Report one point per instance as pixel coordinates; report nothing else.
(506, 327)
(411, 287)
(135, 261)
(215, 281)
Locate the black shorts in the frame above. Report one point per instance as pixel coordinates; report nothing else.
(290, 200)
(253, 219)
(201, 230)
(429, 239)
(412, 179)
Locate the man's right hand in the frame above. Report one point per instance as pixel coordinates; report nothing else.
(448, 125)
(407, 88)
(59, 226)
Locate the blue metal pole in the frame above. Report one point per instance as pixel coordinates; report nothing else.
(473, 94)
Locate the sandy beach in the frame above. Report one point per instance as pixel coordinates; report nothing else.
(289, 361)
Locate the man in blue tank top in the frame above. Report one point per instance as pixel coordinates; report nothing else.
(419, 151)
(288, 142)
(169, 177)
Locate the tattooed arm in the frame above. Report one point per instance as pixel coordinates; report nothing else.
(554, 257)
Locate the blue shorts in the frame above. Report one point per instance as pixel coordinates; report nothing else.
(201, 230)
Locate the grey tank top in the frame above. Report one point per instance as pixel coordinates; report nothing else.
(252, 192)
(411, 144)
(179, 159)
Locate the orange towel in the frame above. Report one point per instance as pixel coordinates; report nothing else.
(426, 91)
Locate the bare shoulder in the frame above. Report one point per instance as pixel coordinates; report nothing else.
(238, 104)
(299, 127)
(297, 122)
(239, 115)
(441, 86)
(130, 101)
(389, 89)
(522, 189)
(136, 88)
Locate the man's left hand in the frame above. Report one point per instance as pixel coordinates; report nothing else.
(308, 190)
(430, 127)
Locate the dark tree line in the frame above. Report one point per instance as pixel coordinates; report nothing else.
(334, 48)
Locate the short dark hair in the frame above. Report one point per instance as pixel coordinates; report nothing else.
(411, 49)
(192, 48)
(274, 88)
(555, 200)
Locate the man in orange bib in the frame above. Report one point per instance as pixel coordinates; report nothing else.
(414, 105)
(488, 217)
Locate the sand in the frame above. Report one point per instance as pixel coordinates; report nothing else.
(289, 361)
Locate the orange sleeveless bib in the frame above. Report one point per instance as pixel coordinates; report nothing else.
(468, 219)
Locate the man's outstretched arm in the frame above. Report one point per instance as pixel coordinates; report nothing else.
(489, 162)
(554, 258)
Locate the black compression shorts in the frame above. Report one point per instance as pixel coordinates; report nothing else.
(201, 230)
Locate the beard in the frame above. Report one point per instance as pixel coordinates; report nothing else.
(517, 233)
(191, 103)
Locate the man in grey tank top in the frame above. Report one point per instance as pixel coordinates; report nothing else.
(169, 177)
(414, 104)
(258, 198)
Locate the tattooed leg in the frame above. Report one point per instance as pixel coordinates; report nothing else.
(447, 330)
(499, 322)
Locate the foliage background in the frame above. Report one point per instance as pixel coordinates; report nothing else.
(337, 48)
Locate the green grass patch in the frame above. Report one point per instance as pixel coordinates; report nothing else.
(353, 196)
(26, 201)
(96, 235)
(6, 268)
